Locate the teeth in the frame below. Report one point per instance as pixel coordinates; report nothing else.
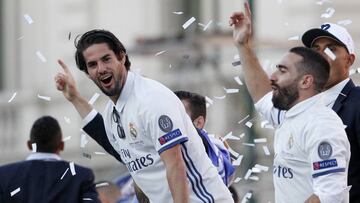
(106, 77)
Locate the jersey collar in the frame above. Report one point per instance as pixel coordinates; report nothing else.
(303, 105)
(43, 156)
(126, 91)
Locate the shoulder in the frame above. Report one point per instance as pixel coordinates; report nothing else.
(11, 166)
(354, 94)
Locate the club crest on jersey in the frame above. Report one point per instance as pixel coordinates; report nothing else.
(324, 150)
(290, 142)
(169, 136)
(165, 123)
(133, 131)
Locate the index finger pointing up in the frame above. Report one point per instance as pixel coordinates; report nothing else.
(64, 66)
(247, 9)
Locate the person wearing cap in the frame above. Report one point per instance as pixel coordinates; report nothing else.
(311, 149)
(341, 93)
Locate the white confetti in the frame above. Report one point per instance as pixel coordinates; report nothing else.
(236, 57)
(33, 147)
(242, 135)
(234, 153)
(83, 140)
(28, 19)
(237, 162)
(255, 170)
(87, 199)
(322, 2)
(330, 53)
(188, 23)
(246, 197)
(20, 38)
(237, 179)
(248, 124)
(64, 174)
(41, 56)
(94, 98)
(231, 91)
(344, 22)
(15, 191)
(244, 119)
(178, 12)
(160, 52)
(207, 25)
(261, 167)
(67, 120)
(170, 66)
(229, 136)
(201, 25)
(249, 144)
(12, 97)
(254, 178)
(44, 97)
(210, 101)
(100, 153)
(67, 138)
(294, 38)
(352, 71)
(220, 97)
(328, 13)
(247, 175)
(72, 168)
(102, 184)
(260, 140)
(266, 150)
(237, 79)
(266, 124)
(358, 70)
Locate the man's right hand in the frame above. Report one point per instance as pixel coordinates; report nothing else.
(65, 82)
(241, 23)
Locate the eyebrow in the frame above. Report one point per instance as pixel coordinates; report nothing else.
(281, 66)
(102, 58)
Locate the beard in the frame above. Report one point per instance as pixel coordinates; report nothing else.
(113, 91)
(285, 97)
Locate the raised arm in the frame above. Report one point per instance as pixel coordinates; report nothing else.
(256, 79)
(65, 82)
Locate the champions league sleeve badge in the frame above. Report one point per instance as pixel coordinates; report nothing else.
(324, 150)
(165, 123)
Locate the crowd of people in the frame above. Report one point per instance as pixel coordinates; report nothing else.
(159, 134)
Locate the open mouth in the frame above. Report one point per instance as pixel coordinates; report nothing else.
(106, 80)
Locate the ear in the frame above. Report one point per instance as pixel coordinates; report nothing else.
(306, 82)
(61, 146)
(122, 57)
(350, 60)
(199, 122)
(29, 145)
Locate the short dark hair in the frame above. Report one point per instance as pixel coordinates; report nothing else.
(46, 133)
(196, 101)
(98, 36)
(314, 64)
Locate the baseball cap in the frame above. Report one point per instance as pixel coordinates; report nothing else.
(331, 30)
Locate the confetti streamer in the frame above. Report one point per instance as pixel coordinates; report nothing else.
(242, 135)
(237, 179)
(67, 120)
(87, 199)
(231, 91)
(15, 191)
(207, 25)
(188, 23)
(102, 184)
(249, 144)
(247, 175)
(41, 56)
(234, 153)
(248, 124)
(329, 12)
(160, 52)
(33, 147)
(237, 79)
(261, 167)
(66, 138)
(210, 101)
(237, 162)
(244, 119)
(44, 97)
(178, 12)
(20, 38)
(94, 98)
(83, 140)
(260, 140)
(294, 38)
(266, 150)
(170, 66)
(221, 97)
(246, 197)
(330, 54)
(12, 97)
(28, 19)
(254, 178)
(100, 153)
(255, 170)
(229, 136)
(72, 168)
(64, 174)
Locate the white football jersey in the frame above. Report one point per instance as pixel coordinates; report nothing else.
(311, 152)
(154, 120)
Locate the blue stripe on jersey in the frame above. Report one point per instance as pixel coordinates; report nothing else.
(279, 116)
(179, 141)
(191, 181)
(198, 176)
(329, 171)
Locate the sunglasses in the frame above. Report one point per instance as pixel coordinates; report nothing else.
(119, 128)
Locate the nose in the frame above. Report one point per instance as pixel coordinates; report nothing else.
(101, 67)
(273, 77)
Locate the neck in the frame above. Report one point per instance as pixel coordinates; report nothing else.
(122, 84)
(304, 96)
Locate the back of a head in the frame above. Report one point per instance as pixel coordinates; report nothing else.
(98, 36)
(314, 64)
(197, 103)
(46, 133)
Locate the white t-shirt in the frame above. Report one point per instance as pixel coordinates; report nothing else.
(311, 152)
(155, 120)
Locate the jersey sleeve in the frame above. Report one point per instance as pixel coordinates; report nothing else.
(165, 122)
(266, 108)
(329, 152)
